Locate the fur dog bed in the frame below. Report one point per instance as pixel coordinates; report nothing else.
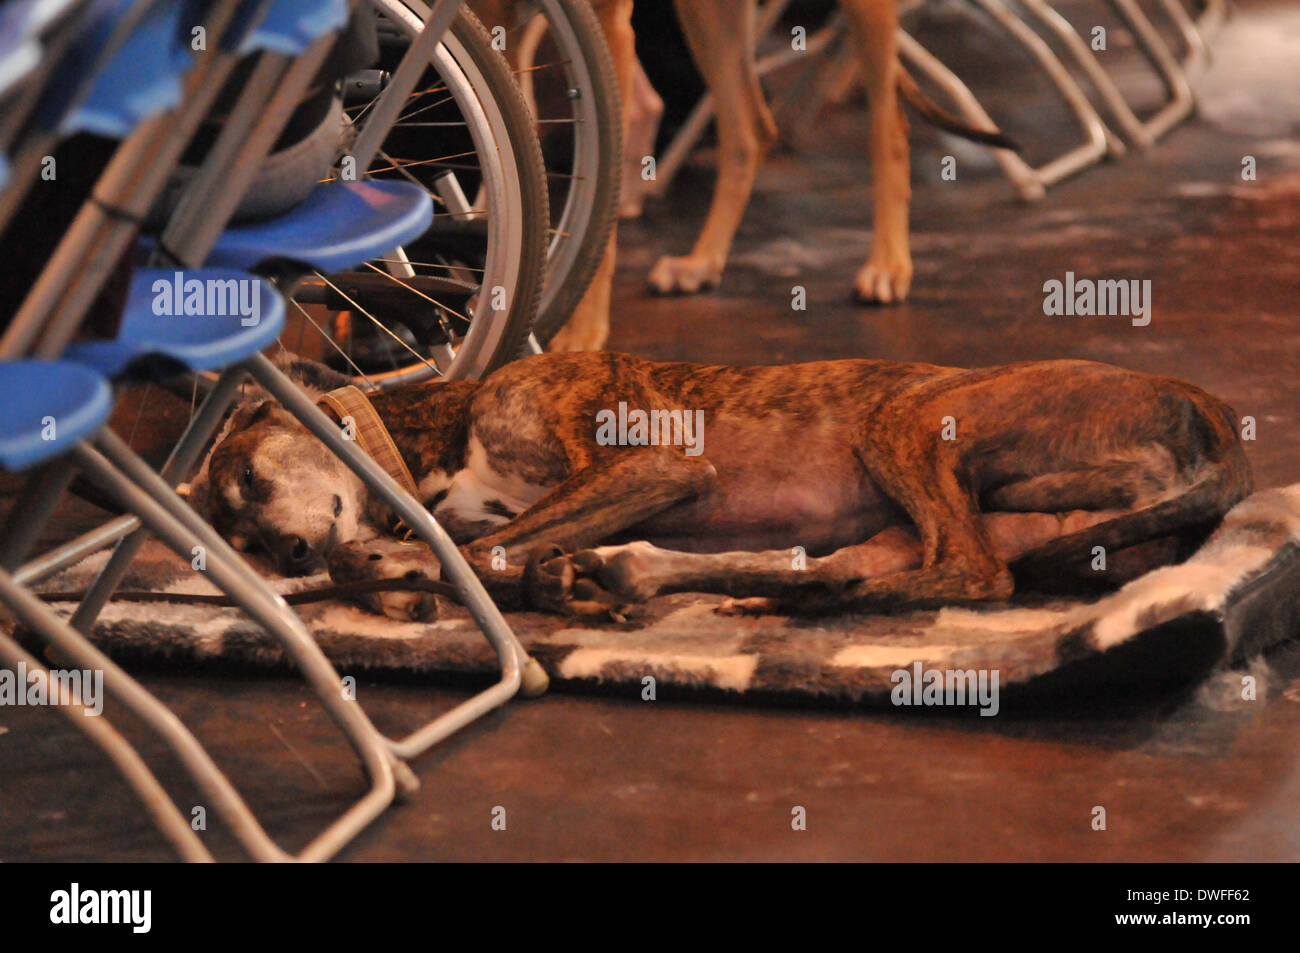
(1235, 597)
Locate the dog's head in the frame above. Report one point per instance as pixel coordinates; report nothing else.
(269, 484)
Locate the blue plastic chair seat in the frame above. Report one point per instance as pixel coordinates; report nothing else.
(48, 406)
(21, 24)
(17, 60)
(290, 26)
(201, 327)
(337, 226)
(28, 19)
(142, 78)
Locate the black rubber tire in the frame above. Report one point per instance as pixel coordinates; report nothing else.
(527, 151)
(503, 92)
(609, 133)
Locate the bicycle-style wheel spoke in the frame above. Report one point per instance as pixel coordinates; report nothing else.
(425, 308)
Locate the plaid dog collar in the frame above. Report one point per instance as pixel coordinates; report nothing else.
(351, 404)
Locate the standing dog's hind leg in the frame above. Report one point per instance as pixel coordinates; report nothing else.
(588, 327)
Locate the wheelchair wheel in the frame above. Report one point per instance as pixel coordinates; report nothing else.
(568, 78)
(459, 301)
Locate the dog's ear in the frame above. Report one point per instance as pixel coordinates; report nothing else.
(198, 492)
(245, 412)
(313, 377)
(267, 412)
(256, 405)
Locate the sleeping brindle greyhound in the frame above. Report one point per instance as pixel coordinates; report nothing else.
(822, 486)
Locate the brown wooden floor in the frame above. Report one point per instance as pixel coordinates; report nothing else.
(1188, 776)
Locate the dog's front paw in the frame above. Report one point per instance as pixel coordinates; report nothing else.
(356, 562)
(632, 572)
(884, 279)
(558, 582)
(688, 274)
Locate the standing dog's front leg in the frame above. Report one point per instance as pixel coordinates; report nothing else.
(721, 37)
(887, 275)
(522, 563)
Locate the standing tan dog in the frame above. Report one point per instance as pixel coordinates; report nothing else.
(720, 34)
(903, 484)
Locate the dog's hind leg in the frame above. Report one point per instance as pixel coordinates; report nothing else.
(1193, 511)
(637, 571)
(925, 475)
(721, 37)
(1116, 485)
(1204, 439)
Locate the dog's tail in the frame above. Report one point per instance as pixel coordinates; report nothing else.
(1223, 478)
(935, 114)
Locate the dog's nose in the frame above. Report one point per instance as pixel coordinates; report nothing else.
(295, 556)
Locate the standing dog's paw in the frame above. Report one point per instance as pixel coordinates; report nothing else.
(560, 583)
(365, 562)
(883, 280)
(688, 274)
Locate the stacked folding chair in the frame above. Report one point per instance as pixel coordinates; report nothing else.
(1099, 141)
(62, 387)
(829, 57)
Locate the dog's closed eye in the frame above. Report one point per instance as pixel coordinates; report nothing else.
(251, 488)
(338, 504)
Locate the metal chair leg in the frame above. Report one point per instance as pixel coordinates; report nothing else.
(1181, 102)
(1099, 141)
(517, 668)
(44, 488)
(1196, 52)
(75, 550)
(214, 785)
(138, 489)
(1097, 75)
(181, 461)
(169, 821)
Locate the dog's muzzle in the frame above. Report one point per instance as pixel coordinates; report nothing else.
(294, 556)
